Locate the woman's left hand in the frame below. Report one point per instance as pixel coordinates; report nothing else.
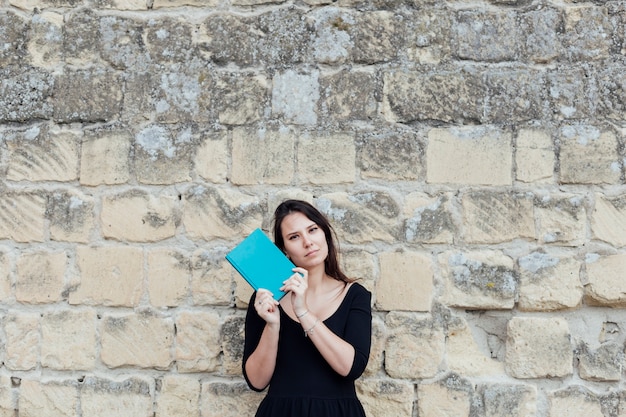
(297, 285)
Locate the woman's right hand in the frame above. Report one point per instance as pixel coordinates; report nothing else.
(266, 307)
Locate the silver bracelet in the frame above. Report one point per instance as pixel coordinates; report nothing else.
(303, 314)
(308, 333)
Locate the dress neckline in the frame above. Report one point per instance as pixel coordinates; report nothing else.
(347, 291)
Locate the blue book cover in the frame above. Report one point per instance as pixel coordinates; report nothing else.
(261, 263)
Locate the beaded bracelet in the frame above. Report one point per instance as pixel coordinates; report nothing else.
(309, 332)
(303, 314)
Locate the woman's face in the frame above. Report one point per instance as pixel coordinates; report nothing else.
(305, 242)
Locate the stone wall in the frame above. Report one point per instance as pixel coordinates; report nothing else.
(470, 155)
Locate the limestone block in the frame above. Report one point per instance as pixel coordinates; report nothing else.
(393, 156)
(232, 341)
(21, 347)
(111, 398)
(480, 156)
(589, 156)
(25, 94)
(13, 49)
(50, 399)
(450, 397)
(363, 217)
(211, 278)
(168, 39)
(71, 216)
(169, 277)
(240, 98)
(295, 97)
(429, 219)
(68, 340)
(376, 35)
(605, 281)
(81, 37)
(23, 216)
(415, 346)
(87, 95)
(349, 95)
(197, 341)
(386, 397)
(463, 354)
(164, 155)
(263, 157)
(611, 82)
(608, 219)
(448, 96)
(122, 43)
(5, 277)
(568, 93)
(542, 41)
(534, 157)
(602, 364)
(377, 348)
(405, 282)
(179, 395)
(328, 159)
(496, 217)
(105, 158)
(228, 399)
(111, 276)
(515, 95)
(144, 340)
(588, 33)
(45, 42)
(219, 213)
(8, 398)
(487, 36)
(361, 266)
(561, 218)
(549, 282)
(332, 42)
(40, 277)
(211, 161)
(427, 34)
(574, 402)
(538, 348)
(510, 400)
(478, 280)
(138, 216)
(139, 104)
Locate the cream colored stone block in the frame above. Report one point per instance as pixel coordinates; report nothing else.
(232, 341)
(608, 219)
(105, 159)
(263, 157)
(535, 157)
(243, 292)
(5, 277)
(549, 282)
(589, 156)
(538, 348)
(142, 340)
(575, 402)
(212, 279)
(561, 219)
(606, 284)
(111, 276)
(8, 397)
(228, 399)
(211, 160)
(71, 216)
(179, 396)
(197, 341)
(377, 348)
(46, 36)
(429, 219)
(361, 266)
(405, 283)
(21, 347)
(40, 277)
(169, 277)
(469, 156)
(510, 400)
(22, 217)
(68, 340)
(327, 159)
(442, 400)
(49, 399)
(386, 397)
(112, 398)
(464, 356)
(139, 217)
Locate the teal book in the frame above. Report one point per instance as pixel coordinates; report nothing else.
(259, 261)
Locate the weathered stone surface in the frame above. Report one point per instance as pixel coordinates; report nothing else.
(449, 398)
(608, 219)
(68, 340)
(349, 95)
(538, 348)
(487, 36)
(232, 341)
(240, 98)
(81, 37)
(13, 49)
(463, 354)
(602, 364)
(179, 395)
(197, 341)
(429, 219)
(377, 348)
(122, 43)
(105, 157)
(22, 216)
(45, 44)
(169, 39)
(52, 399)
(327, 159)
(25, 94)
(405, 282)
(542, 41)
(112, 398)
(576, 402)
(587, 33)
(535, 156)
(376, 36)
(427, 34)
(515, 95)
(605, 281)
(569, 98)
(22, 341)
(228, 399)
(612, 90)
(211, 278)
(8, 402)
(295, 96)
(5, 277)
(40, 277)
(212, 156)
(392, 156)
(386, 397)
(588, 155)
(510, 400)
(561, 219)
(70, 216)
(169, 277)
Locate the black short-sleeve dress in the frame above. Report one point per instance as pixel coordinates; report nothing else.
(303, 384)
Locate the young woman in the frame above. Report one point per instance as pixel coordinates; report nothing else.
(311, 347)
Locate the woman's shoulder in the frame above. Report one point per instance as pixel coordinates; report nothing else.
(358, 290)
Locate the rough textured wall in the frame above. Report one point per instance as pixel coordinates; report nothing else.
(470, 154)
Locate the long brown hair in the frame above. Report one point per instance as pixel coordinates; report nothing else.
(331, 263)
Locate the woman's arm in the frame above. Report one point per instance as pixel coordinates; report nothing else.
(260, 365)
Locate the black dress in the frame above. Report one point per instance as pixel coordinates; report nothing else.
(303, 384)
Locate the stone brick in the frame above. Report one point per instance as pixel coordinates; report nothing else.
(451, 397)
(22, 338)
(605, 282)
(487, 36)
(515, 95)
(429, 219)
(211, 278)
(549, 282)
(197, 341)
(611, 83)
(5, 278)
(478, 280)
(392, 156)
(427, 34)
(362, 217)
(496, 217)
(588, 33)
(464, 355)
(561, 219)
(361, 266)
(144, 340)
(405, 282)
(534, 157)
(376, 36)
(602, 364)
(332, 42)
(350, 95)
(328, 159)
(110, 276)
(608, 219)
(232, 338)
(70, 216)
(40, 277)
(138, 216)
(574, 401)
(113, 398)
(25, 94)
(13, 49)
(481, 156)
(589, 156)
(228, 399)
(45, 42)
(212, 156)
(216, 213)
(263, 157)
(377, 348)
(179, 395)
(542, 41)
(81, 37)
(105, 157)
(169, 39)
(50, 399)
(295, 97)
(22, 217)
(8, 397)
(386, 397)
(64, 331)
(122, 43)
(169, 277)
(510, 400)
(240, 98)
(538, 348)
(415, 346)
(569, 97)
